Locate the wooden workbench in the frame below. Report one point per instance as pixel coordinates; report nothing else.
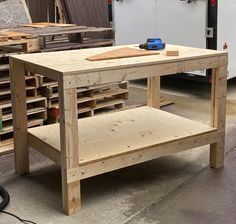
(96, 145)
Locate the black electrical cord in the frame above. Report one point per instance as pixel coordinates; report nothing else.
(5, 198)
(5, 201)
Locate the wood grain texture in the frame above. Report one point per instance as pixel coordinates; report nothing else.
(74, 62)
(113, 141)
(218, 114)
(125, 52)
(20, 117)
(108, 135)
(153, 92)
(69, 143)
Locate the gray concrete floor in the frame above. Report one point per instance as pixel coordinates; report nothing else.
(177, 189)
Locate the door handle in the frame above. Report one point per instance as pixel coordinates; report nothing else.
(188, 1)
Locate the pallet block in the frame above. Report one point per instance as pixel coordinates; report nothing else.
(172, 52)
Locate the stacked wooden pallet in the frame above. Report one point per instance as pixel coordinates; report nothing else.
(28, 42)
(54, 36)
(36, 105)
(90, 100)
(42, 96)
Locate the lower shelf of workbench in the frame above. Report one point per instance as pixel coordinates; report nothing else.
(112, 141)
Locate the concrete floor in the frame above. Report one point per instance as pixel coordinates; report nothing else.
(177, 189)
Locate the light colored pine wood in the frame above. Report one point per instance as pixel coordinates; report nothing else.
(69, 145)
(31, 46)
(47, 24)
(125, 138)
(153, 92)
(218, 114)
(20, 117)
(128, 130)
(8, 42)
(6, 147)
(16, 35)
(75, 61)
(125, 52)
(172, 52)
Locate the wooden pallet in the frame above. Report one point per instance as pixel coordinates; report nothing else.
(9, 35)
(96, 97)
(44, 81)
(47, 24)
(6, 146)
(36, 112)
(29, 42)
(5, 89)
(90, 100)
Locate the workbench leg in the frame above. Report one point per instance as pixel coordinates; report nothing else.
(19, 111)
(153, 91)
(69, 150)
(218, 115)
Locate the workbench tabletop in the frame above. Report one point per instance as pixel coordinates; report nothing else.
(74, 61)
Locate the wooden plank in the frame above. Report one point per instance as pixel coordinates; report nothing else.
(125, 52)
(81, 72)
(30, 44)
(153, 92)
(172, 52)
(20, 121)
(69, 149)
(120, 161)
(165, 101)
(47, 24)
(109, 102)
(17, 35)
(70, 46)
(6, 146)
(143, 155)
(31, 122)
(128, 130)
(218, 114)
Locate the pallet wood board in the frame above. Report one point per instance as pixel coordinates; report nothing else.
(10, 35)
(125, 52)
(127, 130)
(75, 61)
(6, 146)
(47, 24)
